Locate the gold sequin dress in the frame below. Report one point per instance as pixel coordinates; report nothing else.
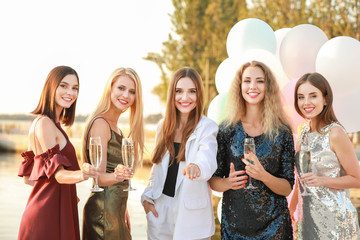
(326, 213)
(104, 212)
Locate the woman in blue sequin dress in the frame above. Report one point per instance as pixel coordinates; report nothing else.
(327, 213)
(256, 112)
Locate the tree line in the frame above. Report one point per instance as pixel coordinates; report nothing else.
(200, 28)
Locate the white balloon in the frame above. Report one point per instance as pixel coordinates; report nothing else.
(248, 34)
(224, 75)
(269, 60)
(219, 206)
(219, 210)
(299, 48)
(347, 110)
(339, 62)
(216, 110)
(226, 71)
(279, 35)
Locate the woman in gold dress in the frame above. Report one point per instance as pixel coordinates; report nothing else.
(105, 213)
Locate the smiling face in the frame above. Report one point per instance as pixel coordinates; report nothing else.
(253, 85)
(310, 100)
(123, 93)
(185, 95)
(67, 92)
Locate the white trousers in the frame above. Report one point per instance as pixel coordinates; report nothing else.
(162, 227)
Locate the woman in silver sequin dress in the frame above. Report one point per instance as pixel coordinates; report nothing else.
(327, 212)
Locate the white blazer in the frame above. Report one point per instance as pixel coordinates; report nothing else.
(195, 219)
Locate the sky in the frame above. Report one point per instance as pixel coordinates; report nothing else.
(93, 37)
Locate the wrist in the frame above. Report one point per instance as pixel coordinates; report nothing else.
(81, 176)
(322, 181)
(227, 184)
(145, 204)
(265, 177)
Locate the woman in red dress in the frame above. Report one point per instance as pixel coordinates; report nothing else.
(50, 164)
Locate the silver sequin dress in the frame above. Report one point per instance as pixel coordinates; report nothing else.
(326, 213)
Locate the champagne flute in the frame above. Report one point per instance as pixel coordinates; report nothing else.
(249, 145)
(303, 161)
(304, 165)
(128, 157)
(95, 158)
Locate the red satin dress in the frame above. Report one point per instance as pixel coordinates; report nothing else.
(51, 211)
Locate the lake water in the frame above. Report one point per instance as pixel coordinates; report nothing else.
(14, 195)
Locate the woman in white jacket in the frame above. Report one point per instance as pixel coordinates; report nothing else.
(177, 200)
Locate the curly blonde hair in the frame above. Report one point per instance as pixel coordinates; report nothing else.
(273, 115)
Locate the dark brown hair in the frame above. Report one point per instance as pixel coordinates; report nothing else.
(327, 115)
(166, 136)
(46, 105)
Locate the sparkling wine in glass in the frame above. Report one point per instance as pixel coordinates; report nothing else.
(304, 166)
(304, 161)
(249, 145)
(95, 158)
(128, 157)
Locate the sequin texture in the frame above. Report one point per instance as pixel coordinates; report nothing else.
(326, 213)
(260, 213)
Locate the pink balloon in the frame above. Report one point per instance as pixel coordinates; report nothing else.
(288, 98)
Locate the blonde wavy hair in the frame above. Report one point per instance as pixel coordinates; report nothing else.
(136, 120)
(273, 115)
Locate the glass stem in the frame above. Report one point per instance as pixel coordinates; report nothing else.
(96, 183)
(250, 183)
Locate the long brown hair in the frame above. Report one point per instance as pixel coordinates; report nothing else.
(47, 105)
(136, 120)
(165, 138)
(327, 115)
(273, 116)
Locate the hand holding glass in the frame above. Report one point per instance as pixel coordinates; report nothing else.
(128, 157)
(95, 158)
(303, 161)
(249, 145)
(304, 166)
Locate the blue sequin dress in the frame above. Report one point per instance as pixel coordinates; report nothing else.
(260, 213)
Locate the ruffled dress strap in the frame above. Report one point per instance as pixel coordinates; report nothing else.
(46, 164)
(26, 166)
